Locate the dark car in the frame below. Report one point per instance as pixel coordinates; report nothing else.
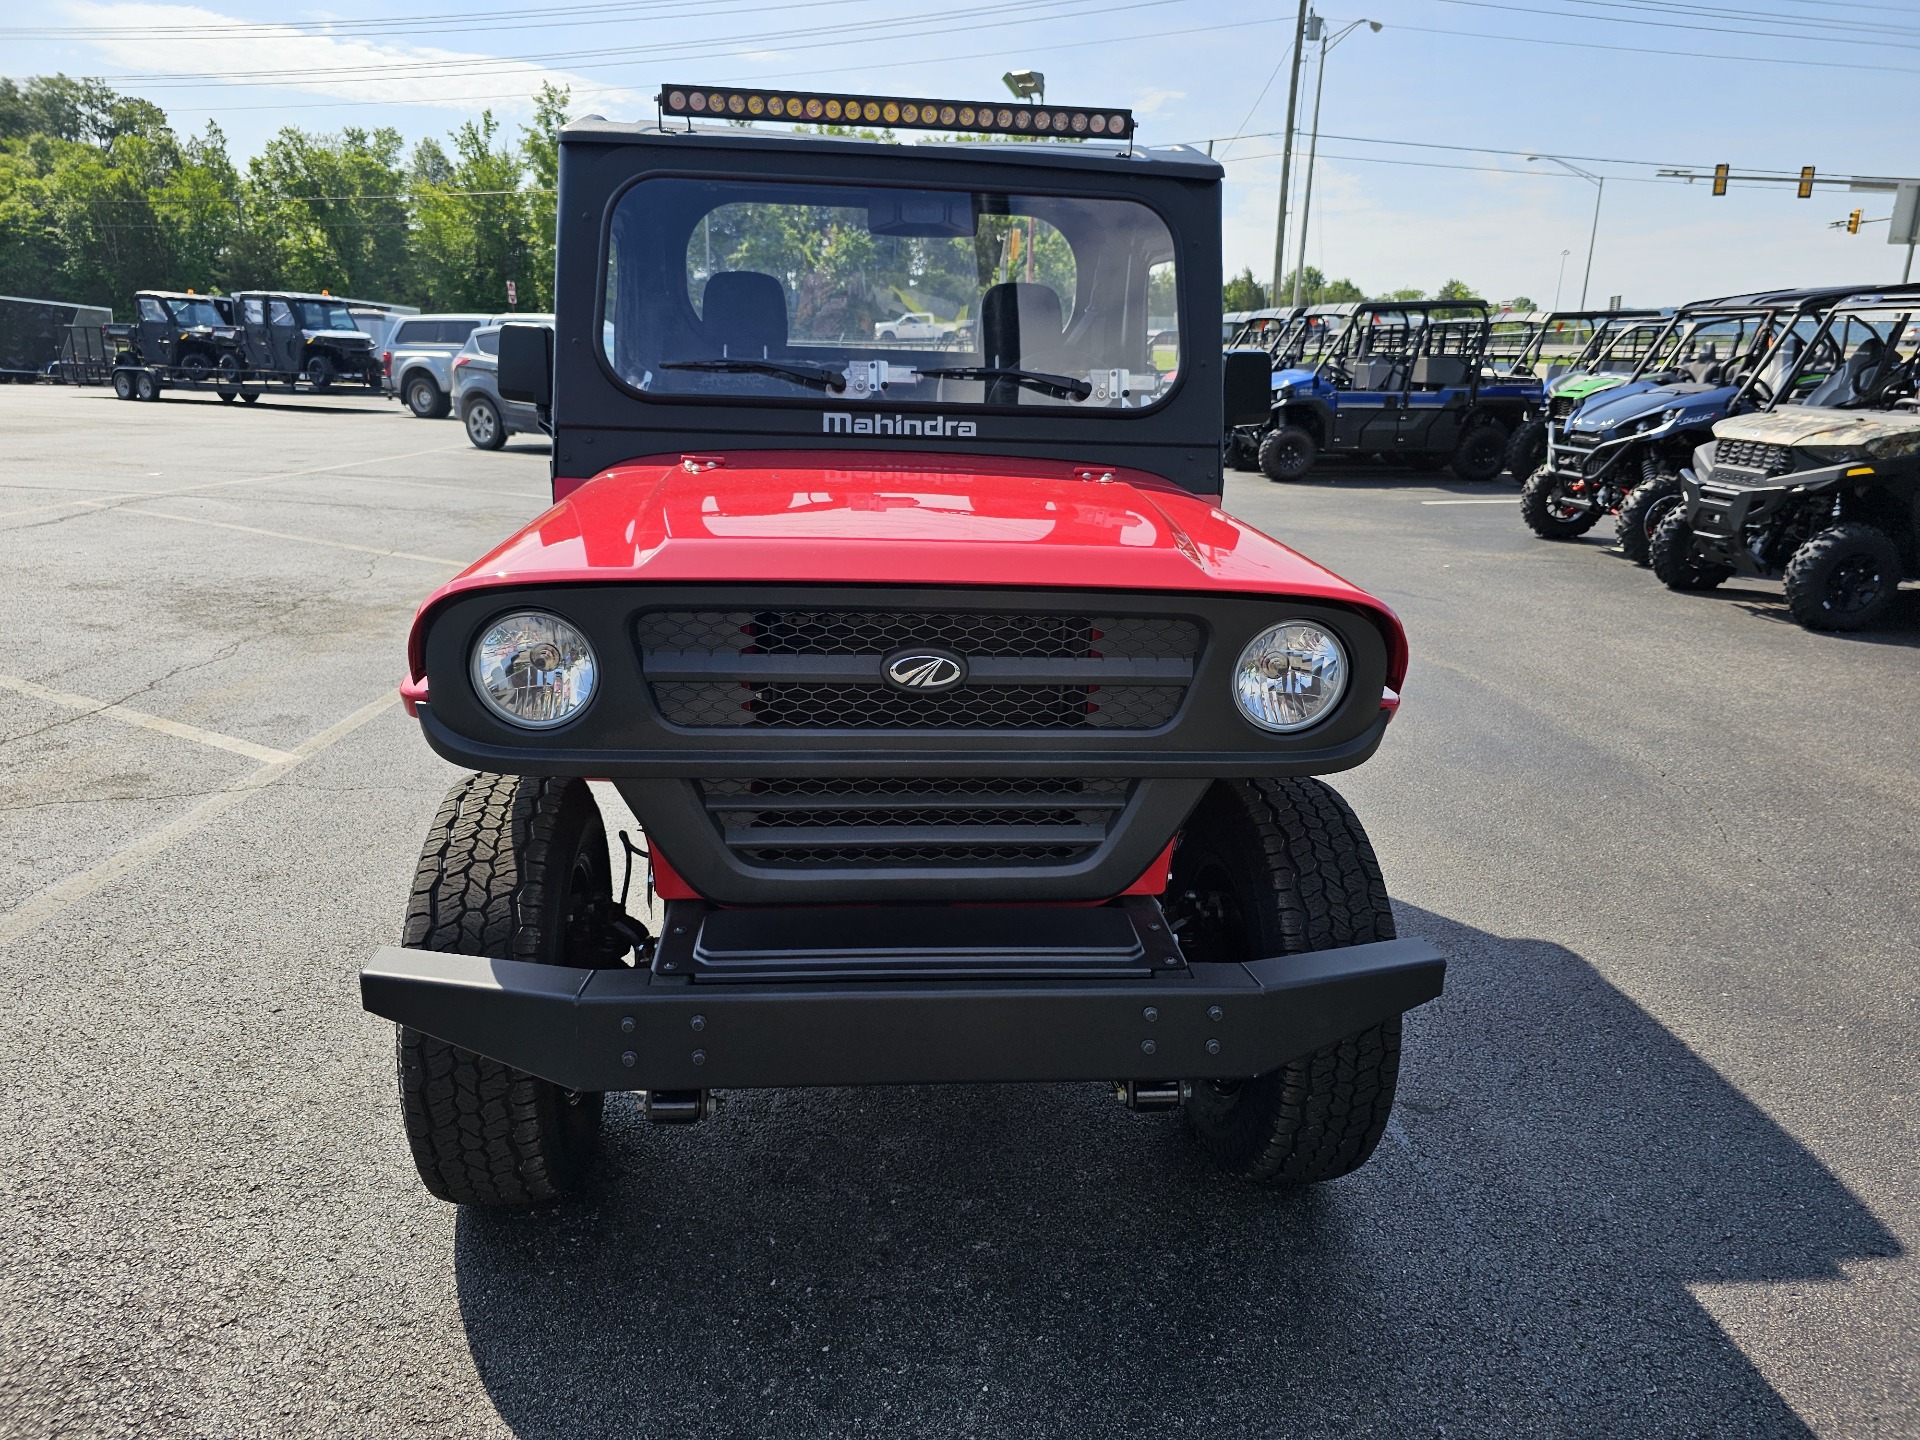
(295, 339)
(488, 418)
(960, 756)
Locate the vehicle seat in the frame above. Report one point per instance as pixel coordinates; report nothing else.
(743, 315)
(1851, 380)
(1437, 372)
(1375, 374)
(1022, 327)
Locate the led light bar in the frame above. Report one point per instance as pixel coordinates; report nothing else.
(900, 112)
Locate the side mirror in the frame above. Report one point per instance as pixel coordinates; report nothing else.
(524, 372)
(1249, 377)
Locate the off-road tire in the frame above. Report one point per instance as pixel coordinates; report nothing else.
(195, 369)
(1674, 563)
(1527, 449)
(1538, 507)
(502, 874)
(1300, 873)
(1844, 578)
(426, 399)
(1481, 454)
(145, 387)
(232, 372)
(1640, 514)
(1287, 453)
(250, 397)
(123, 384)
(319, 373)
(485, 428)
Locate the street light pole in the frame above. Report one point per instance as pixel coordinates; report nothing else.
(1560, 277)
(1313, 147)
(1599, 193)
(1286, 154)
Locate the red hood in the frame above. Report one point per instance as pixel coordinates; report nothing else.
(813, 517)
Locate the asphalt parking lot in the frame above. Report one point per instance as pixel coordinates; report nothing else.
(1652, 1171)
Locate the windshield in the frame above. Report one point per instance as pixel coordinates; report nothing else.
(194, 312)
(318, 315)
(949, 298)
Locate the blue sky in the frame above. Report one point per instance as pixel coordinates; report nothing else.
(1621, 87)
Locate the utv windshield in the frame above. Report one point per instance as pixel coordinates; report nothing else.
(195, 312)
(317, 315)
(753, 289)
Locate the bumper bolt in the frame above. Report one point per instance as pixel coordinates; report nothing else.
(699, 1057)
(699, 1022)
(626, 1024)
(1151, 1014)
(1214, 1012)
(629, 1059)
(1213, 1047)
(1147, 1047)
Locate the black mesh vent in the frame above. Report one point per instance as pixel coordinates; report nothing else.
(1753, 455)
(772, 702)
(917, 855)
(1560, 407)
(913, 788)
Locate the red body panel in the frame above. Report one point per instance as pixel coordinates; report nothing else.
(859, 518)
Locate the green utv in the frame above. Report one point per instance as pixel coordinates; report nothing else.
(1822, 492)
(1576, 353)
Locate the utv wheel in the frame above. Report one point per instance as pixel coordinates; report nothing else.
(145, 387)
(1242, 452)
(426, 399)
(1280, 867)
(1481, 454)
(195, 368)
(319, 373)
(1674, 562)
(1646, 505)
(1551, 511)
(1527, 449)
(484, 427)
(1844, 578)
(514, 867)
(232, 372)
(1287, 453)
(123, 384)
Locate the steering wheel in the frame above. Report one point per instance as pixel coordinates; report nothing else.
(1761, 391)
(1339, 374)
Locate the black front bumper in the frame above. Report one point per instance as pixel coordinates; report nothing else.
(641, 1029)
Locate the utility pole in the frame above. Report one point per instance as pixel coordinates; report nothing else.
(1286, 155)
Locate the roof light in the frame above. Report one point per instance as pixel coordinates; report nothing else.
(688, 102)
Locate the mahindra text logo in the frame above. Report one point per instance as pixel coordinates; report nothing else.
(936, 426)
(924, 672)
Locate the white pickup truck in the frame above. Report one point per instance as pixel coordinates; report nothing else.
(915, 325)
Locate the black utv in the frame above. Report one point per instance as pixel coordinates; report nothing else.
(179, 338)
(294, 339)
(1819, 488)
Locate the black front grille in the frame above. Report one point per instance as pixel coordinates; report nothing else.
(1753, 455)
(913, 822)
(821, 669)
(1560, 407)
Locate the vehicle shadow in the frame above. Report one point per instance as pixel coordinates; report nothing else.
(1899, 627)
(1015, 1261)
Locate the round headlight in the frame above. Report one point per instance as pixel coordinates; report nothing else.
(1290, 676)
(534, 670)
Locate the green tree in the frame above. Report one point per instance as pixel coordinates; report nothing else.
(1339, 291)
(540, 151)
(1243, 292)
(1520, 302)
(1456, 290)
(472, 229)
(1408, 294)
(328, 212)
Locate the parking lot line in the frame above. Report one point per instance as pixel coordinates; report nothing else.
(275, 534)
(105, 501)
(69, 892)
(266, 754)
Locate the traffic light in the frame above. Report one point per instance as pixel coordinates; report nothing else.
(1720, 179)
(1806, 182)
(1853, 223)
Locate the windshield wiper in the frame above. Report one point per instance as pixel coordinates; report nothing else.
(814, 377)
(1060, 387)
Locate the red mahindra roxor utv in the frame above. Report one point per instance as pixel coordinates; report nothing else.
(972, 742)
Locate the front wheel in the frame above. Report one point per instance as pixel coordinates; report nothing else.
(232, 372)
(514, 867)
(1552, 511)
(195, 368)
(484, 426)
(1646, 505)
(1674, 562)
(319, 373)
(1281, 867)
(1481, 454)
(1287, 453)
(1844, 578)
(1527, 449)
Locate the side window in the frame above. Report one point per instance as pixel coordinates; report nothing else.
(256, 311)
(151, 309)
(281, 312)
(411, 333)
(488, 344)
(459, 330)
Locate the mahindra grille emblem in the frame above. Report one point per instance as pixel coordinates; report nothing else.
(925, 672)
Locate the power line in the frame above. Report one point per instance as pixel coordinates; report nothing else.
(1641, 21)
(1689, 56)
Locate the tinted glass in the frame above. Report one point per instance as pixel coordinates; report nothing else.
(487, 343)
(197, 311)
(150, 310)
(735, 288)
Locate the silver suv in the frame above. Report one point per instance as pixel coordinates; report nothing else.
(418, 363)
(476, 389)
